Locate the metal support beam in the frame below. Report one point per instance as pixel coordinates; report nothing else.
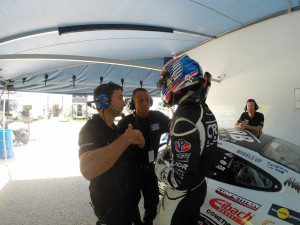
(73, 58)
(132, 27)
(87, 60)
(289, 6)
(71, 84)
(27, 35)
(95, 27)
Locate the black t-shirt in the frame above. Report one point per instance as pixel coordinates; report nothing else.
(257, 120)
(109, 190)
(152, 128)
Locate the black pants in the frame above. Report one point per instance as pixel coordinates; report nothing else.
(143, 180)
(182, 208)
(120, 214)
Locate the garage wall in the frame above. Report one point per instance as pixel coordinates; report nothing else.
(260, 62)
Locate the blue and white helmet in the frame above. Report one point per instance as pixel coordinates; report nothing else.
(177, 76)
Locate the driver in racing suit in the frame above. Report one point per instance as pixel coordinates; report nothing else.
(193, 136)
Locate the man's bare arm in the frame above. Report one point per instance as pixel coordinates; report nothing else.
(242, 125)
(237, 125)
(96, 162)
(254, 128)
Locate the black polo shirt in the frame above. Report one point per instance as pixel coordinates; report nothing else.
(152, 128)
(108, 191)
(257, 120)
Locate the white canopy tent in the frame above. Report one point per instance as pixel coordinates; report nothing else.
(66, 46)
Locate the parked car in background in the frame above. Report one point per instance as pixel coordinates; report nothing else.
(254, 180)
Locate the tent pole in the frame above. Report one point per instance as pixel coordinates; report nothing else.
(3, 132)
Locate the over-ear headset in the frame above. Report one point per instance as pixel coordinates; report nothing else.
(255, 105)
(131, 102)
(102, 101)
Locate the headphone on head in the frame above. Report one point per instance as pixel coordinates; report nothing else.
(255, 105)
(131, 105)
(102, 101)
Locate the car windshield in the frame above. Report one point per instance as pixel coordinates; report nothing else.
(284, 153)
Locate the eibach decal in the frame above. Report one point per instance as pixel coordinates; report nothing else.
(229, 211)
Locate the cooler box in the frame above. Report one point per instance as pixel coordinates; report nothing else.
(8, 143)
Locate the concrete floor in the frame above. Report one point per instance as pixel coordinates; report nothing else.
(42, 183)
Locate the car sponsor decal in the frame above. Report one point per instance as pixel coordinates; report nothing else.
(291, 181)
(229, 211)
(217, 217)
(238, 199)
(234, 135)
(267, 222)
(285, 214)
(277, 167)
(182, 146)
(249, 156)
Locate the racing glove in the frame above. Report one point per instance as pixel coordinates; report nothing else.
(161, 169)
(161, 172)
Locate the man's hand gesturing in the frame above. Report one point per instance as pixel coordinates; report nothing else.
(135, 136)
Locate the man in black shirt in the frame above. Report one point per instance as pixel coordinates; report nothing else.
(250, 119)
(142, 177)
(102, 161)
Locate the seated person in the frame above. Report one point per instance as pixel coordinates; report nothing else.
(250, 119)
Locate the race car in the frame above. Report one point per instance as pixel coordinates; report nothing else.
(255, 180)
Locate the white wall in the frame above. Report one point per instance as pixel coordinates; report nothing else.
(260, 62)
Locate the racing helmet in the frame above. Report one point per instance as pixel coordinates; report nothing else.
(177, 77)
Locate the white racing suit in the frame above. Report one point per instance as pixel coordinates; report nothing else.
(194, 135)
